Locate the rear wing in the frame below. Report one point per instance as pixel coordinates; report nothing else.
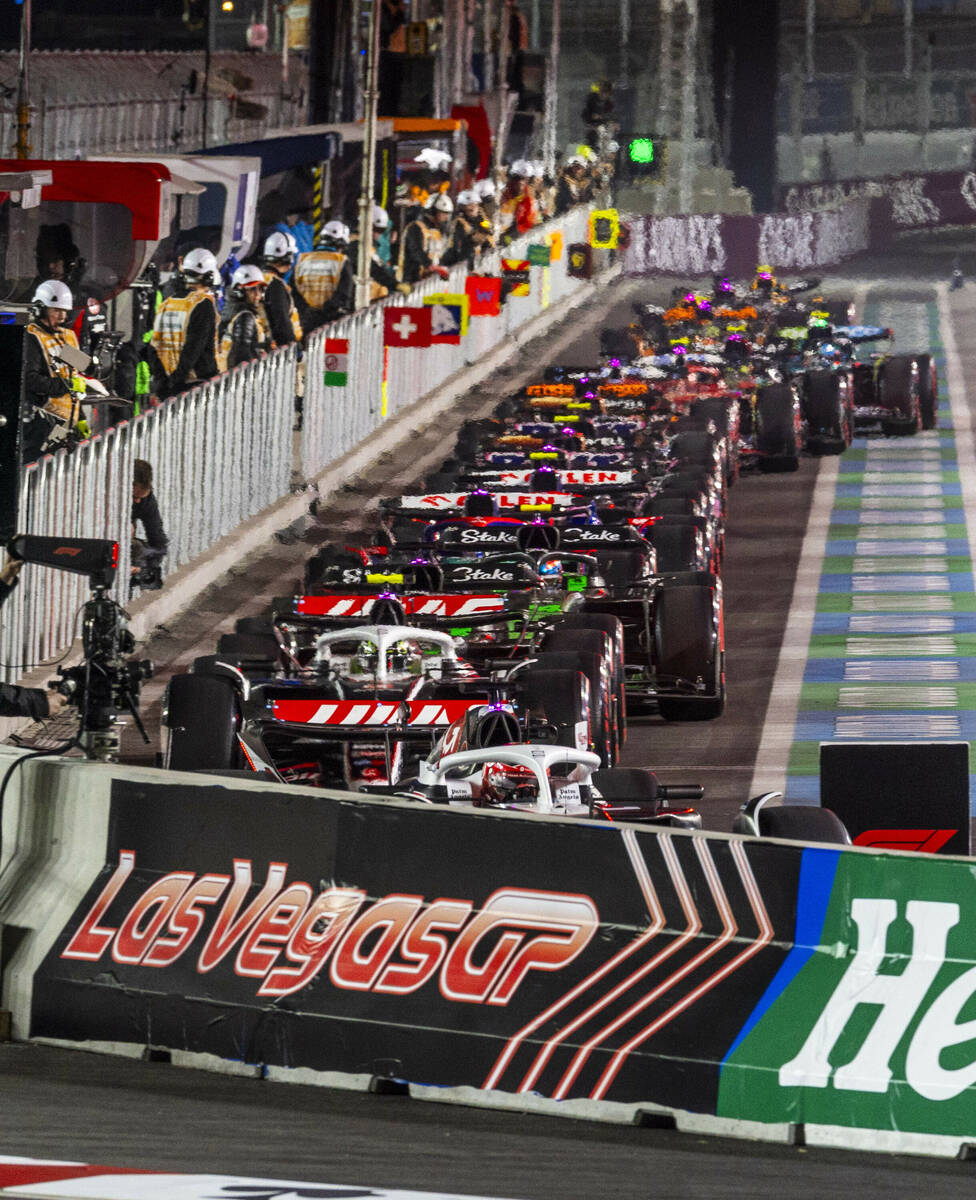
(421, 608)
(862, 333)
(440, 504)
(577, 479)
(346, 719)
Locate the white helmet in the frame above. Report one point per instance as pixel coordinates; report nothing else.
(441, 202)
(520, 167)
(280, 245)
(485, 187)
(52, 293)
(200, 266)
(381, 218)
(247, 276)
(538, 168)
(336, 231)
(468, 196)
(437, 160)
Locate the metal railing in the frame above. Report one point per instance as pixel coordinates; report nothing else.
(338, 418)
(172, 124)
(221, 453)
(225, 451)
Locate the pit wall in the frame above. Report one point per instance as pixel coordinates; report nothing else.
(744, 987)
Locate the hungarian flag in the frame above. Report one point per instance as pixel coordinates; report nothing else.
(484, 294)
(406, 326)
(336, 362)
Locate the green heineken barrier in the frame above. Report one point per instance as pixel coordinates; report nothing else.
(871, 1021)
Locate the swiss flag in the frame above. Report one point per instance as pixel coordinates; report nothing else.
(406, 326)
(485, 295)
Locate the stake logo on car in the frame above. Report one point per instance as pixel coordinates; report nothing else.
(285, 934)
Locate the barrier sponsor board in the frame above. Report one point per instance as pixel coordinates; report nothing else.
(869, 1024)
(558, 957)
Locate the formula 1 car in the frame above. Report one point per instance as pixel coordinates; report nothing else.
(346, 714)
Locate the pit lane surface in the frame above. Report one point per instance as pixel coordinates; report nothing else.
(74, 1105)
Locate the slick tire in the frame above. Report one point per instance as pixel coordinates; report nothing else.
(686, 648)
(203, 718)
(561, 697)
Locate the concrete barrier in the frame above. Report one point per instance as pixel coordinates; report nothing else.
(740, 987)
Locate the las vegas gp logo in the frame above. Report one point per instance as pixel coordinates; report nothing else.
(283, 936)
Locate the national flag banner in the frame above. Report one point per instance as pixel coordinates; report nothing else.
(539, 254)
(445, 324)
(336, 362)
(555, 240)
(453, 300)
(515, 273)
(406, 326)
(484, 295)
(604, 229)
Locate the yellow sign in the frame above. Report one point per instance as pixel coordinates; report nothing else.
(604, 230)
(555, 240)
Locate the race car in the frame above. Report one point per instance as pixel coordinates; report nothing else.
(349, 712)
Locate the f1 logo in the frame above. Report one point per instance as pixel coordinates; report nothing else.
(925, 841)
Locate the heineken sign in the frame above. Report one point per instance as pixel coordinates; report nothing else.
(871, 1020)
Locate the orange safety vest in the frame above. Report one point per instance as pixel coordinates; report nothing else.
(296, 324)
(58, 406)
(317, 275)
(169, 328)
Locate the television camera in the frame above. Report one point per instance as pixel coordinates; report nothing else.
(107, 682)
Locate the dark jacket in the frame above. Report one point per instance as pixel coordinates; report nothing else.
(277, 305)
(146, 513)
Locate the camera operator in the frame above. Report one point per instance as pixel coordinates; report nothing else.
(147, 552)
(20, 701)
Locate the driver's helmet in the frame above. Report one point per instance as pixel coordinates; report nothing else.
(365, 660)
(403, 658)
(765, 280)
(551, 570)
(505, 783)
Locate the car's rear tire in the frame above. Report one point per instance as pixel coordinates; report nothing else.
(561, 697)
(824, 411)
(928, 390)
(687, 648)
(897, 395)
(614, 629)
(776, 428)
(601, 704)
(202, 715)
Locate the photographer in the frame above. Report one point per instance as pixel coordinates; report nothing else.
(19, 701)
(147, 552)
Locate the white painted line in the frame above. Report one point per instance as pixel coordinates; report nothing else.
(882, 488)
(906, 478)
(901, 532)
(886, 502)
(894, 563)
(872, 516)
(894, 670)
(900, 583)
(898, 697)
(882, 647)
(889, 603)
(917, 548)
(893, 624)
(784, 698)
(896, 725)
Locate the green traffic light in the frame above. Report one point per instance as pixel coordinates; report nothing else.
(641, 150)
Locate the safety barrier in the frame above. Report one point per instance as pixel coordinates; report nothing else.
(754, 988)
(224, 451)
(337, 418)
